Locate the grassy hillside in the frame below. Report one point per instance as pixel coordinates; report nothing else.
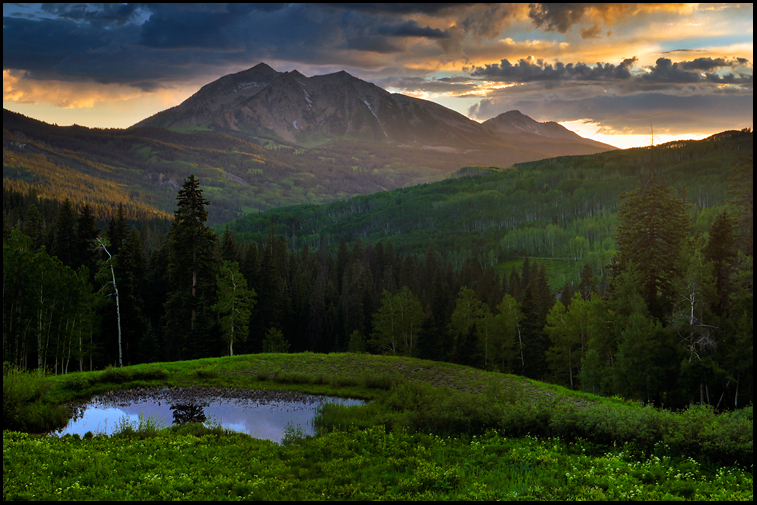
(432, 431)
(562, 209)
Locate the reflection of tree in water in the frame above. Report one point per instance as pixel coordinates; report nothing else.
(187, 413)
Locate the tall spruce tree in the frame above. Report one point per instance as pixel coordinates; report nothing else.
(191, 271)
(86, 233)
(587, 286)
(741, 190)
(535, 342)
(32, 226)
(652, 227)
(721, 252)
(64, 242)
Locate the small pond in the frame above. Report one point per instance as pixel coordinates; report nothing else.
(259, 413)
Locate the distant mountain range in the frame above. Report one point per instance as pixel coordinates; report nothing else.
(261, 139)
(307, 111)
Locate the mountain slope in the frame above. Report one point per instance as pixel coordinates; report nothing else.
(212, 99)
(559, 208)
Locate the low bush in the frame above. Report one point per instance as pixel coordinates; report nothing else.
(344, 381)
(24, 404)
(119, 375)
(78, 382)
(291, 378)
(382, 381)
(207, 373)
(698, 432)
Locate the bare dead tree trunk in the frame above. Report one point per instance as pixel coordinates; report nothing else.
(118, 305)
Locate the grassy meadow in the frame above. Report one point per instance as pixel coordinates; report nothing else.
(432, 431)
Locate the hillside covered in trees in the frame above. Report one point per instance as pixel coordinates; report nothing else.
(142, 168)
(669, 321)
(561, 209)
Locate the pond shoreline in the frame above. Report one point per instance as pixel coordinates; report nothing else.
(184, 400)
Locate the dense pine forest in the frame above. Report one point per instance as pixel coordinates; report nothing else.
(661, 311)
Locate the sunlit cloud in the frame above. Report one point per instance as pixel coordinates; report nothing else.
(67, 95)
(142, 58)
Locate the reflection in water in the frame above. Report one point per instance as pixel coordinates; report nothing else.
(261, 414)
(188, 413)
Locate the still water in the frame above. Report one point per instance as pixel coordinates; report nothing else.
(261, 414)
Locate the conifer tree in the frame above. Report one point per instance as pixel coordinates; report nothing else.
(64, 244)
(191, 269)
(117, 230)
(32, 226)
(228, 246)
(587, 286)
(652, 227)
(741, 189)
(86, 233)
(566, 294)
(535, 342)
(721, 252)
(468, 312)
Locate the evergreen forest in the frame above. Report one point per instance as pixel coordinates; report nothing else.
(625, 273)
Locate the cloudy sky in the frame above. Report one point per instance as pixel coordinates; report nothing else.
(606, 71)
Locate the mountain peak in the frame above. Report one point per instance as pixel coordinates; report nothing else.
(296, 74)
(261, 66)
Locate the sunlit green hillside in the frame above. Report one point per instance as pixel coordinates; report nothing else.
(559, 209)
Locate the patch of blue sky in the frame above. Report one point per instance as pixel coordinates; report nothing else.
(705, 43)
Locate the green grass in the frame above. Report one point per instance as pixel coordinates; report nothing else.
(197, 464)
(433, 431)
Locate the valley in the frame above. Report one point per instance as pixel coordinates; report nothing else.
(367, 251)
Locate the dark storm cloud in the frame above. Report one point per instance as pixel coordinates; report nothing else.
(415, 84)
(538, 70)
(411, 28)
(558, 17)
(177, 29)
(705, 64)
(562, 17)
(118, 14)
(151, 45)
(663, 73)
(400, 8)
(40, 47)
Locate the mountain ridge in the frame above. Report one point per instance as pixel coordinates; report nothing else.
(306, 111)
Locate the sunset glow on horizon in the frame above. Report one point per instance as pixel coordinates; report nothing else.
(605, 71)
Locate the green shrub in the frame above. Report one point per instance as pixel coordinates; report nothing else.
(332, 416)
(20, 388)
(78, 382)
(382, 381)
(275, 342)
(207, 373)
(24, 405)
(344, 381)
(120, 375)
(293, 435)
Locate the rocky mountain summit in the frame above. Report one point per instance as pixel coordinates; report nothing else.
(290, 107)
